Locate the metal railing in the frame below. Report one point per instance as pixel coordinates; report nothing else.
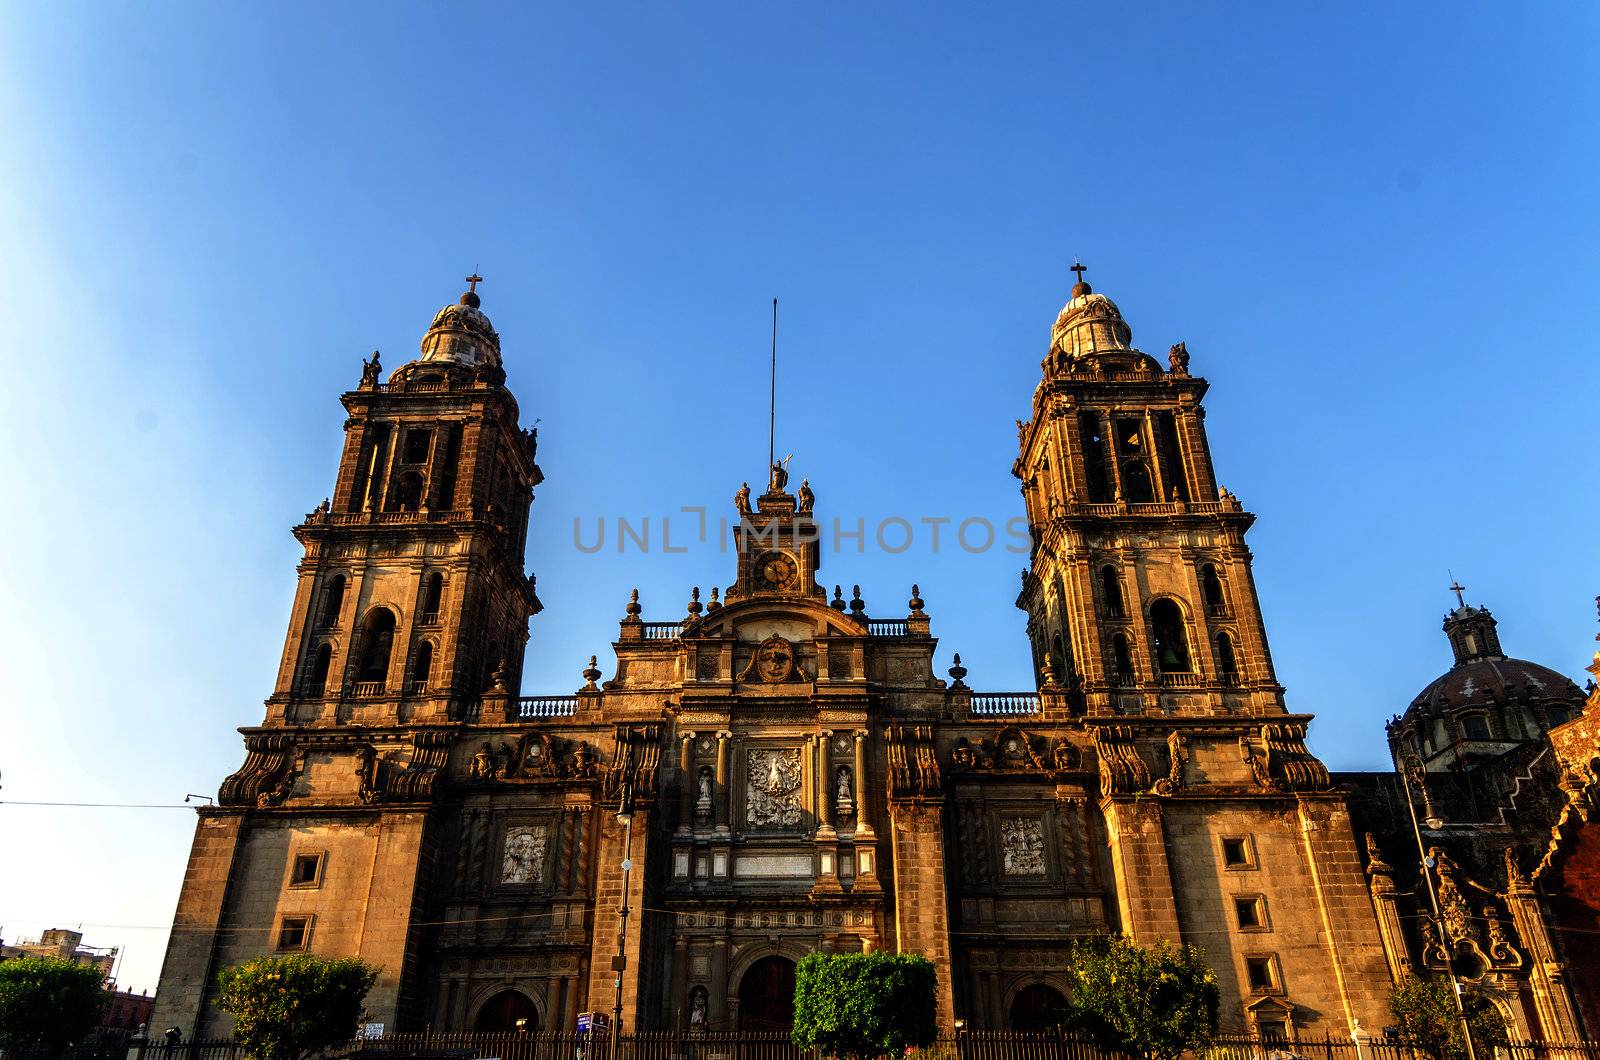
(547, 706)
(776, 1045)
(1005, 704)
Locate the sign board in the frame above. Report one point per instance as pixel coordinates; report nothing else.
(371, 1030)
(592, 1023)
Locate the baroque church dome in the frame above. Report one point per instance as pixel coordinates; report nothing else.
(1487, 701)
(1089, 323)
(461, 333)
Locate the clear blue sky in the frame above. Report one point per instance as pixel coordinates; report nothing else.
(1374, 227)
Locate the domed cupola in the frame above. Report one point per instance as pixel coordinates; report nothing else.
(1089, 323)
(1487, 703)
(460, 333)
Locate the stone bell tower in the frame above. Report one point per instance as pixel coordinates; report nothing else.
(1139, 593)
(412, 599)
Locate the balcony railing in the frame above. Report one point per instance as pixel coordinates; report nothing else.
(1005, 704)
(662, 630)
(887, 627)
(547, 706)
(1181, 680)
(368, 689)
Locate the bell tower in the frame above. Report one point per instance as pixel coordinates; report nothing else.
(412, 600)
(1139, 593)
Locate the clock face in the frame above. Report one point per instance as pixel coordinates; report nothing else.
(776, 570)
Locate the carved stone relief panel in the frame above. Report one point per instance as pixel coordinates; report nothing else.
(1022, 846)
(772, 794)
(524, 857)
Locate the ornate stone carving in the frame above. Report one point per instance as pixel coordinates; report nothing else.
(1177, 756)
(524, 857)
(772, 793)
(1295, 767)
(1122, 771)
(1022, 846)
(773, 662)
(637, 760)
(913, 767)
(266, 775)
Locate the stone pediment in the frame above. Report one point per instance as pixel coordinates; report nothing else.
(774, 645)
(753, 619)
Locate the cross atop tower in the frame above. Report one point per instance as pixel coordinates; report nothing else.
(1080, 268)
(473, 281)
(1457, 588)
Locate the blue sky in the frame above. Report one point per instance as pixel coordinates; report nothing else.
(1373, 226)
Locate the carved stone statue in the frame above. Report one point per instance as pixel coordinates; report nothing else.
(779, 477)
(697, 1009)
(843, 785)
(524, 855)
(702, 804)
(741, 500)
(1022, 846)
(1178, 359)
(484, 766)
(369, 372)
(807, 498)
(772, 792)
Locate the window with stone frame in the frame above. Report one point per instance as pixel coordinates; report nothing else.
(1250, 912)
(1238, 852)
(305, 871)
(294, 933)
(1261, 973)
(1475, 726)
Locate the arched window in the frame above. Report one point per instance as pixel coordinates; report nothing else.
(422, 665)
(1211, 591)
(318, 681)
(377, 640)
(1111, 591)
(1475, 727)
(432, 597)
(332, 600)
(1171, 643)
(1227, 661)
(1136, 485)
(1121, 656)
(407, 493)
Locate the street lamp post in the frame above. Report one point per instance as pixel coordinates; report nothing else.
(1408, 764)
(620, 962)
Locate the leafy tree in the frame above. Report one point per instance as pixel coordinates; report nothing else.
(864, 1004)
(48, 1003)
(285, 1008)
(1426, 1016)
(1152, 1001)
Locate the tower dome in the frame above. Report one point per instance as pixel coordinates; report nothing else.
(1487, 703)
(1089, 323)
(461, 333)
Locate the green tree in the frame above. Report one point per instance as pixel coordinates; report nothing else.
(285, 1008)
(864, 1004)
(1426, 1016)
(48, 1003)
(1152, 1001)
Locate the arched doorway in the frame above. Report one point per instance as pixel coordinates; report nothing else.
(501, 1013)
(766, 995)
(1037, 1007)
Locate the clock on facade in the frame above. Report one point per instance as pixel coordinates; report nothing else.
(776, 570)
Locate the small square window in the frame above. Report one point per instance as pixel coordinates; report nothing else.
(294, 933)
(1251, 912)
(1273, 1030)
(1261, 972)
(306, 870)
(1237, 852)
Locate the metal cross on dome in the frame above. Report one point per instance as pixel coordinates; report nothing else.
(1457, 588)
(473, 281)
(1080, 268)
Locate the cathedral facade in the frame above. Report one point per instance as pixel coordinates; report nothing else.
(781, 769)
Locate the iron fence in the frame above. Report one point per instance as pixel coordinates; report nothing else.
(776, 1045)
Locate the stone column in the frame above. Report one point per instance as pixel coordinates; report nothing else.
(1136, 833)
(1546, 977)
(607, 918)
(724, 800)
(686, 782)
(824, 783)
(863, 814)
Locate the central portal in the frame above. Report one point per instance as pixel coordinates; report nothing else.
(766, 996)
